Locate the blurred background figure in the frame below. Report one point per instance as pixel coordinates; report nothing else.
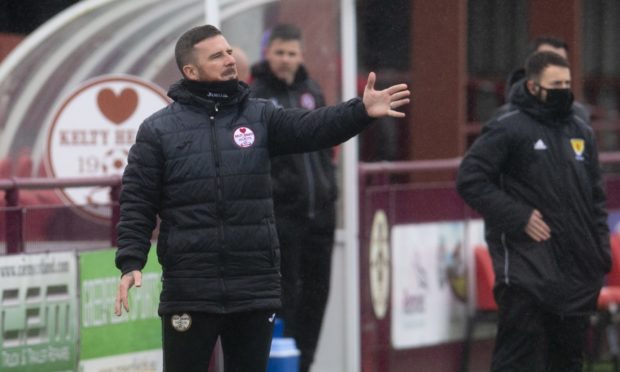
(304, 194)
(243, 64)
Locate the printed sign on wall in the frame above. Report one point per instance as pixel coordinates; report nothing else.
(38, 312)
(429, 284)
(92, 132)
(130, 343)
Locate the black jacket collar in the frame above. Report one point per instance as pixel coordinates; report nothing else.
(521, 98)
(179, 93)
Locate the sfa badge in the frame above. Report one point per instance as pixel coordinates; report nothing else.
(578, 145)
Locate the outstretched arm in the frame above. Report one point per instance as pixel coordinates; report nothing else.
(380, 103)
(297, 130)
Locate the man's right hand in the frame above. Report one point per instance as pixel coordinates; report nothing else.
(380, 103)
(536, 227)
(128, 280)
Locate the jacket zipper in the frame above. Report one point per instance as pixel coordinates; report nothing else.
(311, 188)
(506, 259)
(220, 198)
(272, 249)
(564, 198)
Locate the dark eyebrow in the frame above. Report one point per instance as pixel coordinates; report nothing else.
(215, 55)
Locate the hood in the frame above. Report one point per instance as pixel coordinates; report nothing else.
(262, 71)
(179, 93)
(521, 98)
(514, 77)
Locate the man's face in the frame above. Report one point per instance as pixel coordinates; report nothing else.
(551, 48)
(284, 58)
(552, 77)
(213, 61)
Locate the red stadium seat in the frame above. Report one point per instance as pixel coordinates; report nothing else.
(486, 308)
(607, 317)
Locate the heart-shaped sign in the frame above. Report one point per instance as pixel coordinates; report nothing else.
(117, 108)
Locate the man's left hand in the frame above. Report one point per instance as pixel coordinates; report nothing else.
(380, 103)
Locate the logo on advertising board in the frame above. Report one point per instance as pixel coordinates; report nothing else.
(38, 327)
(428, 284)
(92, 131)
(131, 342)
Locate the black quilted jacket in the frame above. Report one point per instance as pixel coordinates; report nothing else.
(529, 159)
(204, 168)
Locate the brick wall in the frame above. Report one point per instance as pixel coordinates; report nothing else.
(8, 42)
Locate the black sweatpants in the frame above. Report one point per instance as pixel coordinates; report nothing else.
(306, 270)
(530, 339)
(245, 339)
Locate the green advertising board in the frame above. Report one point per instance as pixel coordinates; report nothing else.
(131, 342)
(38, 312)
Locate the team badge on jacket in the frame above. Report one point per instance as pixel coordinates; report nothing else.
(307, 101)
(182, 322)
(244, 137)
(578, 145)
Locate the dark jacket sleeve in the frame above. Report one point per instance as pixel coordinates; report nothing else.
(479, 178)
(299, 130)
(139, 200)
(599, 205)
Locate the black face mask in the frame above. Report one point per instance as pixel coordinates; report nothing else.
(559, 101)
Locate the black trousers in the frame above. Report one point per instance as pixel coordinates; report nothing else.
(245, 339)
(530, 339)
(306, 270)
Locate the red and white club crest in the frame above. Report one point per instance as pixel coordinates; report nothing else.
(307, 101)
(244, 137)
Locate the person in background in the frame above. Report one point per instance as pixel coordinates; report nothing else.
(541, 44)
(243, 64)
(202, 164)
(534, 176)
(304, 195)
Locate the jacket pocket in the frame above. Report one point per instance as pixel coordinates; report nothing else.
(163, 244)
(272, 239)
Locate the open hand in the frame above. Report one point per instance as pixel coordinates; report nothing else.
(128, 280)
(380, 103)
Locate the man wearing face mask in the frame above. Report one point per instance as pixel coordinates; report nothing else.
(534, 176)
(540, 44)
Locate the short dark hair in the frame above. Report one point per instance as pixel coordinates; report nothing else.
(547, 40)
(285, 32)
(184, 49)
(537, 62)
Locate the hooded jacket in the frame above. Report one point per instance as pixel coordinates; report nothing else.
(515, 80)
(304, 185)
(203, 166)
(527, 159)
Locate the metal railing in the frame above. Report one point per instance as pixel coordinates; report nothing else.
(14, 212)
(451, 164)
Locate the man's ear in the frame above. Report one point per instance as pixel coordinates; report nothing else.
(190, 72)
(532, 87)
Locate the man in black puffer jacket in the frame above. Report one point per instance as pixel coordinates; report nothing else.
(203, 165)
(304, 195)
(517, 76)
(534, 176)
